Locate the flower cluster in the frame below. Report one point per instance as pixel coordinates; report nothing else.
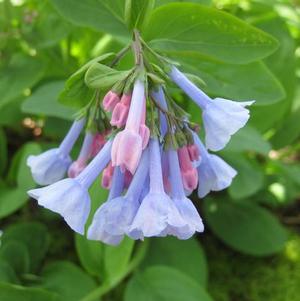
(148, 151)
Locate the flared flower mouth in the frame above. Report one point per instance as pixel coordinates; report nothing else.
(146, 148)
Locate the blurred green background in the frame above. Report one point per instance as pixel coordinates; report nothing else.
(250, 250)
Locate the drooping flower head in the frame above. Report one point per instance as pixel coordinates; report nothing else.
(146, 147)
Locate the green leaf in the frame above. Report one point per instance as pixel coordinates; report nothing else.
(90, 255)
(245, 227)
(67, 280)
(192, 27)
(237, 82)
(3, 151)
(250, 177)
(76, 93)
(160, 283)
(16, 255)
(291, 126)
(103, 77)
(7, 273)
(44, 102)
(116, 259)
(48, 29)
(22, 72)
(137, 12)
(9, 292)
(162, 252)
(101, 15)
(286, 73)
(33, 235)
(163, 2)
(13, 195)
(248, 139)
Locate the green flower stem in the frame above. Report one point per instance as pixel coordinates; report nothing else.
(120, 55)
(109, 285)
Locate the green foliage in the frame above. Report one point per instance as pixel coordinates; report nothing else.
(18, 181)
(10, 292)
(90, 12)
(67, 280)
(192, 27)
(44, 102)
(20, 73)
(99, 76)
(137, 12)
(172, 252)
(164, 283)
(33, 236)
(245, 227)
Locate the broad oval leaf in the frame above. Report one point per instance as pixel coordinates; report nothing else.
(137, 12)
(99, 76)
(161, 252)
(250, 177)
(183, 27)
(116, 259)
(245, 227)
(21, 73)
(16, 254)
(248, 139)
(67, 280)
(33, 235)
(9, 292)
(101, 15)
(160, 283)
(90, 254)
(13, 195)
(43, 101)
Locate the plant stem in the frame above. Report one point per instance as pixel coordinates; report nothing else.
(137, 48)
(120, 55)
(109, 285)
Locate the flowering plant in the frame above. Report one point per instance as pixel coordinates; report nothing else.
(148, 138)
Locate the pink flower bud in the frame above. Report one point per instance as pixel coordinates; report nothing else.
(107, 176)
(76, 168)
(110, 100)
(127, 150)
(98, 143)
(127, 178)
(145, 134)
(189, 174)
(194, 152)
(120, 112)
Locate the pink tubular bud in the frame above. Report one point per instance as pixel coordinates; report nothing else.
(98, 143)
(120, 112)
(127, 178)
(189, 174)
(110, 100)
(76, 168)
(194, 152)
(107, 176)
(145, 134)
